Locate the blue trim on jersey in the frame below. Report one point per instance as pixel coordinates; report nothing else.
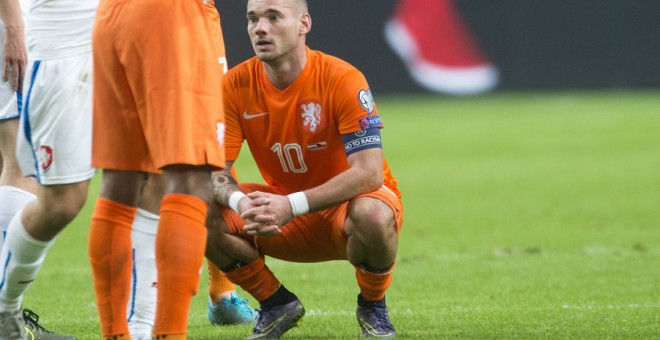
(26, 121)
(133, 287)
(4, 270)
(361, 140)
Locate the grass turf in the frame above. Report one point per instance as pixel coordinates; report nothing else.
(527, 216)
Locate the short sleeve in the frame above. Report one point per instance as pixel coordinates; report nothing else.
(355, 108)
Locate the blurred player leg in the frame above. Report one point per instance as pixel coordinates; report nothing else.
(15, 190)
(225, 307)
(110, 248)
(437, 47)
(54, 146)
(165, 137)
(141, 308)
(180, 240)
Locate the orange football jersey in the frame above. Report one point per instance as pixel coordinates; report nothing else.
(295, 134)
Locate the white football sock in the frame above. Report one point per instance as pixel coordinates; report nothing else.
(11, 200)
(20, 260)
(141, 309)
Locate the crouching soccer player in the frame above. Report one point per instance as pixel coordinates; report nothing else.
(314, 132)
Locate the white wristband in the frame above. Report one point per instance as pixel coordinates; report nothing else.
(299, 204)
(234, 198)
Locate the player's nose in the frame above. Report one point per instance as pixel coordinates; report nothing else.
(260, 28)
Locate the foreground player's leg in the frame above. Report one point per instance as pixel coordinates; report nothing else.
(141, 308)
(12, 199)
(372, 244)
(110, 248)
(54, 148)
(225, 307)
(30, 234)
(15, 189)
(180, 245)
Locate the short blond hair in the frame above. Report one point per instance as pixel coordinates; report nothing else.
(301, 5)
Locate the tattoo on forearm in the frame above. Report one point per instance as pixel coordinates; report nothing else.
(224, 184)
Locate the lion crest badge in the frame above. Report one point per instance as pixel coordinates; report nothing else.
(310, 112)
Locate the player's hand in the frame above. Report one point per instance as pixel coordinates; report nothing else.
(262, 229)
(272, 209)
(246, 203)
(15, 59)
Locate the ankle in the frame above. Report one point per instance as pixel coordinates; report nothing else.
(282, 296)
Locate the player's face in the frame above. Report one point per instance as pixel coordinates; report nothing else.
(275, 27)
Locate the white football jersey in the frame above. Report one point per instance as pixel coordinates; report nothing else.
(58, 28)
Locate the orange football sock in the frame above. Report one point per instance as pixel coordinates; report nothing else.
(218, 283)
(256, 279)
(373, 285)
(180, 245)
(110, 256)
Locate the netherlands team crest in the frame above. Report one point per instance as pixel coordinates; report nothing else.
(310, 112)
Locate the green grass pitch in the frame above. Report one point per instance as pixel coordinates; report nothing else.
(527, 216)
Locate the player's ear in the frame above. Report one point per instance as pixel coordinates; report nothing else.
(305, 24)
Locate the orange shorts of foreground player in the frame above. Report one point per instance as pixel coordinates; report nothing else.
(162, 104)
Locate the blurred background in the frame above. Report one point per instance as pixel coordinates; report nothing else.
(481, 45)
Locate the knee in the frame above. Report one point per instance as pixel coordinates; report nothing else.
(62, 203)
(62, 212)
(124, 187)
(374, 220)
(224, 247)
(190, 180)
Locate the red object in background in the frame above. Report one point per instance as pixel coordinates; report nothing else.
(440, 52)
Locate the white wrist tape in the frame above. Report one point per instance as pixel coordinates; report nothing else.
(234, 198)
(299, 204)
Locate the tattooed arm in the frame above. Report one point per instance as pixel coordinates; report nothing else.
(224, 184)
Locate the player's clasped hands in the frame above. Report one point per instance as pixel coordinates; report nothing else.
(266, 213)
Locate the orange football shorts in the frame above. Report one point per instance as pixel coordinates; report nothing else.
(157, 85)
(314, 237)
